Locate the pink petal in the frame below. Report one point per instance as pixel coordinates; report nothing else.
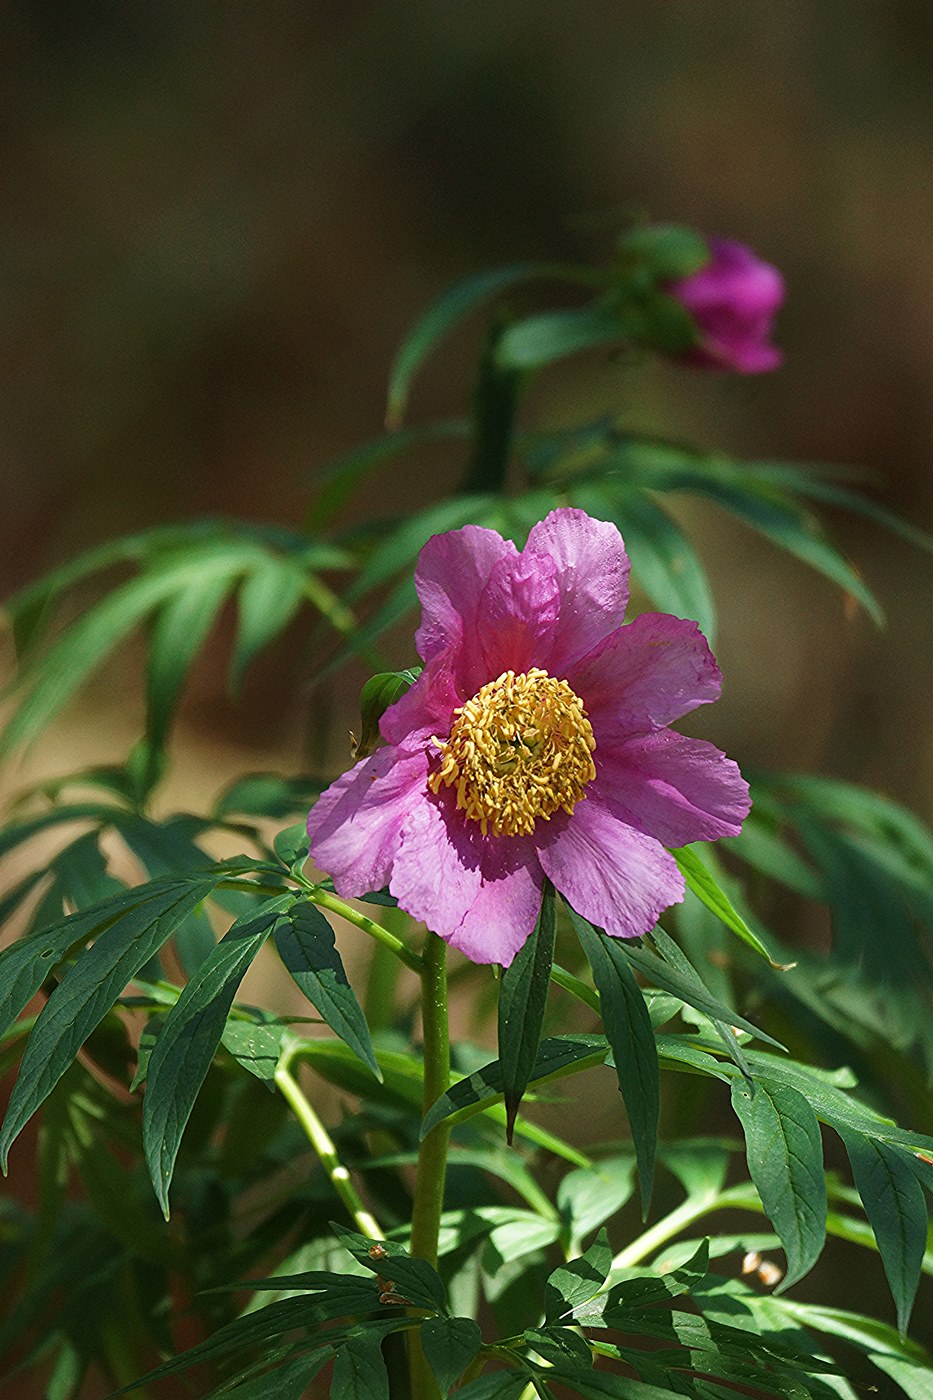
(453, 570)
(424, 709)
(648, 674)
(616, 877)
(481, 894)
(517, 615)
(673, 788)
(592, 574)
(354, 826)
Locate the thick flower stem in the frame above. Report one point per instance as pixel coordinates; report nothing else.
(495, 401)
(432, 1156)
(321, 1141)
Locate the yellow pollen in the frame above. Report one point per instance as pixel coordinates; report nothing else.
(521, 749)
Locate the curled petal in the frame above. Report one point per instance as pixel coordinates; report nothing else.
(480, 894)
(354, 826)
(674, 788)
(592, 571)
(618, 878)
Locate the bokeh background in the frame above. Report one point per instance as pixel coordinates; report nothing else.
(218, 220)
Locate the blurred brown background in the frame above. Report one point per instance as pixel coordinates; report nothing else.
(219, 219)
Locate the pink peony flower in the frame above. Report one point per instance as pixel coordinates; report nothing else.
(535, 744)
(733, 299)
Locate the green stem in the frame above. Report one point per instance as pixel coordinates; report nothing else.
(687, 1213)
(320, 1140)
(432, 1155)
(361, 921)
(495, 402)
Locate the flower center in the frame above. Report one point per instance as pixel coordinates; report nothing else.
(521, 749)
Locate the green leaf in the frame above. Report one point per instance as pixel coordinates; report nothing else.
(450, 1344)
(268, 599)
(178, 633)
(185, 1048)
(523, 989)
(645, 1288)
(560, 1346)
(667, 251)
(916, 1381)
(417, 1281)
(630, 1033)
(579, 1280)
(557, 1056)
(359, 1371)
(701, 881)
(90, 988)
(257, 1048)
(552, 335)
(451, 307)
(588, 1196)
(785, 1161)
(377, 695)
(305, 943)
(688, 987)
(896, 1209)
(287, 1382)
(495, 1385)
(267, 795)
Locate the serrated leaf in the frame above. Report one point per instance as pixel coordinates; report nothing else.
(306, 945)
(579, 1280)
(896, 1209)
(631, 1035)
(359, 1371)
(291, 845)
(785, 1161)
(523, 989)
(185, 1048)
(267, 600)
(89, 989)
(557, 1056)
(450, 1344)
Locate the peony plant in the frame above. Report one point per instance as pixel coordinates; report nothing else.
(237, 1201)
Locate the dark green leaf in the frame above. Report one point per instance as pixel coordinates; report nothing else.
(178, 633)
(183, 1052)
(287, 1382)
(268, 795)
(359, 1371)
(561, 1346)
(450, 1344)
(417, 1281)
(557, 1056)
(896, 1209)
(630, 1033)
(785, 1161)
(913, 1378)
(338, 479)
(258, 1048)
(89, 989)
(291, 845)
(523, 989)
(305, 943)
(495, 1385)
(579, 1280)
(588, 1196)
(647, 1288)
(689, 988)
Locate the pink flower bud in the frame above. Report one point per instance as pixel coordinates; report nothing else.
(733, 300)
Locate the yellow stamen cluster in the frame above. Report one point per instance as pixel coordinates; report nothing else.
(521, 749)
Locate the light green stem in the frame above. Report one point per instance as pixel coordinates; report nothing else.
(326, 900)
(687, 1213)
(432, 1155)
(321, 1141)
